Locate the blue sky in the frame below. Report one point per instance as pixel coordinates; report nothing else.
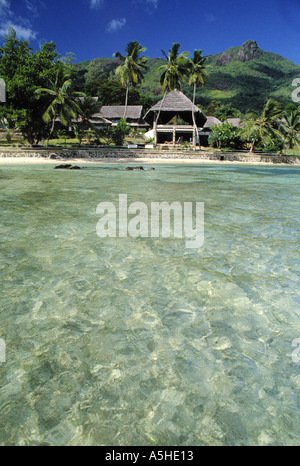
(98, 28)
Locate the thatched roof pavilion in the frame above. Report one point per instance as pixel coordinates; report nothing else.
(175, 103)
(235, 122)
(212, 121)
(115, 112)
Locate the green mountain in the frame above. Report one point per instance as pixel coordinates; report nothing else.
(243, 76)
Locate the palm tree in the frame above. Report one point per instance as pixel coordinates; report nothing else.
(173, 73)
(62, 100)
(88, 107)
(265, 126)
(291, 128)
(131, 71)
(197, 75)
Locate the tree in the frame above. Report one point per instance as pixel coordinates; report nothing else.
(88, 107)
(225, 111)
(61, 100)
(173, 72)
(24, 72)
(115, 135)
(291, 127)
(131, 71)
(226, 135)
(122, 129)
(222, 111)
(263, 128)
(197, 73)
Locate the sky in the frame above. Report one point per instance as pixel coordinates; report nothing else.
(98, 28)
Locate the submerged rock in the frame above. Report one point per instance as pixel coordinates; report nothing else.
(67, 166)
(139, 168)
(135, 168)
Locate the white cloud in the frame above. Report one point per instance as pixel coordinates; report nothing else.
(153, 3)
(31, 7)
(116, 24)
(210, 17)
(9, 19)
(149, 4)
(96, 3)
(21, 31)
(4, 7)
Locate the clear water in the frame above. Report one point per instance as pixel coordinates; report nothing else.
(142, 341)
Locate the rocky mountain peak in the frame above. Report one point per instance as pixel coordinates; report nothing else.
(248, 51)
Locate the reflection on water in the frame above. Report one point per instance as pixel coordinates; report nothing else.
(141, 341)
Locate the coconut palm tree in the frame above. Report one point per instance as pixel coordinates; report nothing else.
(132, 68)
(197, 73)
(62, 100)
(174, 71)
(265, 126)
(88, 107)
(291, 128)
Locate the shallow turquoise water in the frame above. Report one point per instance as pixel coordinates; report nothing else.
(141, 341)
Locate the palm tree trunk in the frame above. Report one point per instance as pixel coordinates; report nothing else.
(126, 102)
(51, 129)
(157, 118)
(194, 120)
(253, 144)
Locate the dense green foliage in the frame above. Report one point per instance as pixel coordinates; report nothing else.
(226, 135)
(132, 68)
(246, 85)
(222, 111)
(24, 72)
(114, 135)
(44, 89)
(264, 128)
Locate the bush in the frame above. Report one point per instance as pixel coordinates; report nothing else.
(120, 132)
(114, 135)
(226, 135)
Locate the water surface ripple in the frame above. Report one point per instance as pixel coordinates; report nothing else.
(142, 341)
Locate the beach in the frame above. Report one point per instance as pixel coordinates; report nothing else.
(138, 160)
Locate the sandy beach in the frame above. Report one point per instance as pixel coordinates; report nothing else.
(139, 161)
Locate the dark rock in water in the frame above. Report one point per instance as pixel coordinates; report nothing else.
(67, 166)
(135, 168)
(139, 168)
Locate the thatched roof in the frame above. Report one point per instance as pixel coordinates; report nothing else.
(235, 122)
(175, 103)
(212, 121)
(115, 112)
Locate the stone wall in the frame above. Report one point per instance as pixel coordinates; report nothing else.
(118, 153)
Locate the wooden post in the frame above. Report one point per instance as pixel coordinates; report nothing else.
(155, 129)
(174, 136)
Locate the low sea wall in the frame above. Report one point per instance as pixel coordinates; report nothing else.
(134, 154)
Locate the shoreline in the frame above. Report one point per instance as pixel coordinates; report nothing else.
(139, 161)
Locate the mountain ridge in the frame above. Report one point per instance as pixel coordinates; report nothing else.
(244, 76)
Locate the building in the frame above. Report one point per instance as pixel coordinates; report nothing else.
(204, 134)
(175, 105)
(235, 122)
(133, 115)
